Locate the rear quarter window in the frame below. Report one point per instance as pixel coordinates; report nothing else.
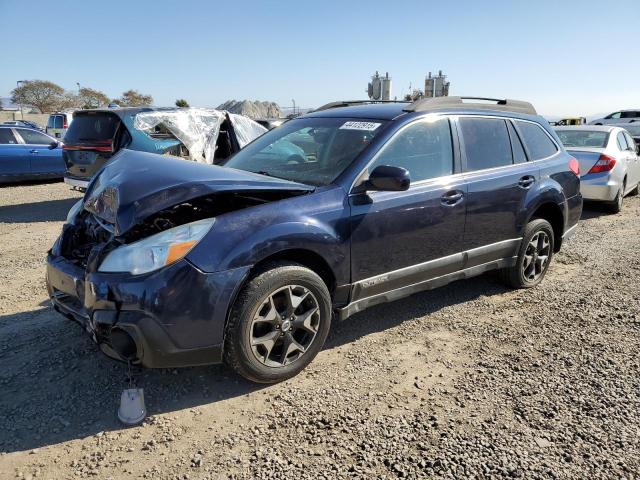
(536, 140)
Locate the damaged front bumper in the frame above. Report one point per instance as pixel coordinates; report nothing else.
(172, 317)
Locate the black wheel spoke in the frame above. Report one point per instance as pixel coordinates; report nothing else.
(536, 256)
(284, 325)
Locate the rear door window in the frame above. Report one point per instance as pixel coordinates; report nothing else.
(536, 140)
(622, 142)
(7, 137)
(486, 143)
(90, 128)
(630, 142)
(51, 122)
(32, 137)
(58, 121)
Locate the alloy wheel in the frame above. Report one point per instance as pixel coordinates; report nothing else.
(536, 256)
(284, 326)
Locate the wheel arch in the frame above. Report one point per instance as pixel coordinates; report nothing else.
(552, 213)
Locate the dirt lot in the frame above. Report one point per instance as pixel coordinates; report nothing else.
(471, 380)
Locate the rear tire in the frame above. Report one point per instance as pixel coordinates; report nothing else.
(534, 256)
(278, 323)
(616, 205)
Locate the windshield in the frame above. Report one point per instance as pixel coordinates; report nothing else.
(634, 130)
(583, 138)
(314, 151)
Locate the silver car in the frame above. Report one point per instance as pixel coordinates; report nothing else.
(617, 118)
(609, 163)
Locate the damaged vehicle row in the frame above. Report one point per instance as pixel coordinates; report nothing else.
(169, 263)
(199, 134)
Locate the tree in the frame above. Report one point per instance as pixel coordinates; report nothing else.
(181, 102)
(42, 94)
(69, 101)
(91, 98)
(133, 98)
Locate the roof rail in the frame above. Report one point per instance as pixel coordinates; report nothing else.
(348, 103)
(483, 103)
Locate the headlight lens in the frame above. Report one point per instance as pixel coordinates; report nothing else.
(157, 250)
(77, 207)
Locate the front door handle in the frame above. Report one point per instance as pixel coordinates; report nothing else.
(34, 151)
(452, 198)
(526, 181)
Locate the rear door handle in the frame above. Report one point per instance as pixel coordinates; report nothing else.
(34, 151)
(452, 198)
(526, 181)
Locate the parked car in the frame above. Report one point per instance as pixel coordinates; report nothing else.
(634, 131)
(171, 263)
(28, 154)
(24, 123)
(609, 164)
(616, 118)
(199, 134)
(58, 123)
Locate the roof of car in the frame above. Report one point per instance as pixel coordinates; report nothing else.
(392, 109)
(380, 111)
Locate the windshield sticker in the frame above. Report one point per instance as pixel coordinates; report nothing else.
(367, 126)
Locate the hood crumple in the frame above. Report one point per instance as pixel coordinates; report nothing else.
(135, 185)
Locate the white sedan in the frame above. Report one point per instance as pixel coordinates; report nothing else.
(609, 163)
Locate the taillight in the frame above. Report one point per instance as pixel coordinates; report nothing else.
(604, 164)
(64, 125)
(574, 166)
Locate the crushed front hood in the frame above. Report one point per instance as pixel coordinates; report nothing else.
(135, 185)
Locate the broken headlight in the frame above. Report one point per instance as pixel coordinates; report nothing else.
(156, 251)
(73, 212)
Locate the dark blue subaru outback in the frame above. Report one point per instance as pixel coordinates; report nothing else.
(172, 263)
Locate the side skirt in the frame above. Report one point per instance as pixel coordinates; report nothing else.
(402, 292)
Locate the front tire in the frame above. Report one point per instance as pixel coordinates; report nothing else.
(278, 323)
(534, 256)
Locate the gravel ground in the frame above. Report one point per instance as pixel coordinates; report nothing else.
(468, 381)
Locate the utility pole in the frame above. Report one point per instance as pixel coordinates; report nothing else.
(294, 107)
(21, 112)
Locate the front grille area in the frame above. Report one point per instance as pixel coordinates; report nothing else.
(82, 241)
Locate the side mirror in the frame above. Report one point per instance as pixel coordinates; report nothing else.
(53, 145)
(386, 178)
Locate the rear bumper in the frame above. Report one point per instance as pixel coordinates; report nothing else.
(174, 317)
(76, 182)
(599, 187)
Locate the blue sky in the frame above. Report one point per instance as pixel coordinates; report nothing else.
(567, 57)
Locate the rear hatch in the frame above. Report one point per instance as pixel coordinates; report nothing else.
(587, 157)
(92, 139)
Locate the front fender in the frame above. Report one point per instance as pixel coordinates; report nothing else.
(318, 223)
